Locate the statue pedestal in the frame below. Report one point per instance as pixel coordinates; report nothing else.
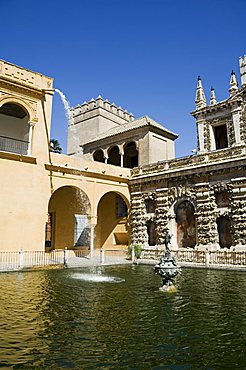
(168, 270)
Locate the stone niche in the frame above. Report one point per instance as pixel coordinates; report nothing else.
(186, 225)
(222, 198)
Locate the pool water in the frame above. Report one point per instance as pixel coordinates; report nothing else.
(116, 318)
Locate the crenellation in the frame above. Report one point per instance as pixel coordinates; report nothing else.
(84, 107)
(92, 104)
(113, 108)
(98, 103)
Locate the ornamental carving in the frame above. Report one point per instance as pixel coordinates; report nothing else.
(243, 124)
(30, 105)
(180, 191)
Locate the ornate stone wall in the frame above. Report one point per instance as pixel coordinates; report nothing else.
(238, 211)
(137, 219)
(161, 214)
(243, 124)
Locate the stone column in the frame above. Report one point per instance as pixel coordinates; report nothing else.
(201, 134)
(236, 124)
(30, 136)
(207, 234)
(121, 160)
(137, 219)
(238, 212)
(92, 235)
(161, 214)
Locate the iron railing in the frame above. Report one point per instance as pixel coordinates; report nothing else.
(8, 144)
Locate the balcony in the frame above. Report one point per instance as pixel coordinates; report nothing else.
(8, 144)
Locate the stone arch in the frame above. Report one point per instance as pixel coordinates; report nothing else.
(114, 155)
(14, 128)
(224, 231)
(130, 159)
(112, 229)
(98, 156)
(69, 213)
(22, 103)
(123, 196)
(182, 223)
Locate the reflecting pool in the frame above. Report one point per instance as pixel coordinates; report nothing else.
(116, 318)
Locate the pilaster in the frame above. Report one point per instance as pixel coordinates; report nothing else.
(137, 216)
(207, 234)
(161, 214)
(238, 211)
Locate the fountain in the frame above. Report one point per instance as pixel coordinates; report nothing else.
(67, 107)
(70, 118)
(167, 268)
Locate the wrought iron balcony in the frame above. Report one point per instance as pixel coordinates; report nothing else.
(8, 144)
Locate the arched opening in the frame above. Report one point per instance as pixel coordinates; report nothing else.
(14, 129)
(224, 231)
(151, 233)
(68, 219)
(130, 155)
(98, 156)
(112, 222)
(186, 224)
(114, 156)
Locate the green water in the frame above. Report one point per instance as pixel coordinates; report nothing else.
(115, 318)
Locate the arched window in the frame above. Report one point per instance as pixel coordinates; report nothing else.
(114, 156)
(130, 155)
(98, 156)
(14, 129)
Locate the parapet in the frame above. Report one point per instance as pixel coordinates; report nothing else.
(22, 76)
(242, 65)
(99, 102)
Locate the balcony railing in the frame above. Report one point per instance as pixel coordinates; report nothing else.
(8, 144)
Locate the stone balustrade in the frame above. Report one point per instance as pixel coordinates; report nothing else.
(190, 161)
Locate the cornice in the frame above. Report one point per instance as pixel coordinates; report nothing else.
(23, 88)
(219, 106)
(191, 172)
(18, 157)
(84, 172)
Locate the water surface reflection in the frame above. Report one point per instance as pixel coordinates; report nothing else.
(115, 317)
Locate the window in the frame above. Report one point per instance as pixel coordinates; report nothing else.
(220, 136)
(98, 156)
(14, 129)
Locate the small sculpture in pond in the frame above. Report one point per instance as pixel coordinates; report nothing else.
(167, 268)
(168, 238)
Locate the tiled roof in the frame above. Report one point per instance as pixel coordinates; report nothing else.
(140, 122)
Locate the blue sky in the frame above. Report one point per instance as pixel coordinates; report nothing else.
(144, 55)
